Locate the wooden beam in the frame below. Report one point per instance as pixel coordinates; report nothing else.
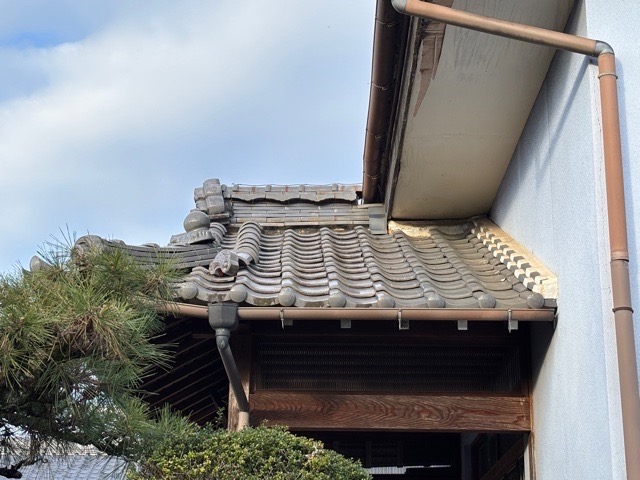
(410, 413)
(195, 393)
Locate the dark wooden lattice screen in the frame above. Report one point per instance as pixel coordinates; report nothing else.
(294, 365)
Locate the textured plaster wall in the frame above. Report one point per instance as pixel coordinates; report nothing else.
(551, 200)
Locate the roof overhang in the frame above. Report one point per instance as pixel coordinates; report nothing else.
(463, 99)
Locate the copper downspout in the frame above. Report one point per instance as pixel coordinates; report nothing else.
(620, 284)
(502, 28)
(233, 374)
(223, 318)
(370, 314)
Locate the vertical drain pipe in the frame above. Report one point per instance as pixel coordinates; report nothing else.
(620, 283)
(387, 28)
(223, 318)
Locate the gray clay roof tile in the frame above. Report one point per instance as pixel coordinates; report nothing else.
(310, 267)
(93, 466)
(310, 246)
(464, 264)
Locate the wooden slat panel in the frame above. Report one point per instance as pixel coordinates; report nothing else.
(417, 413)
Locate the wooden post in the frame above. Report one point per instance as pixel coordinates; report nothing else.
(241, 348)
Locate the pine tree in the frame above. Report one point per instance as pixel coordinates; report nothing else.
(77, 339)
(75, 344)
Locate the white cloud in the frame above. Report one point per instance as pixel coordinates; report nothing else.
(116, 129)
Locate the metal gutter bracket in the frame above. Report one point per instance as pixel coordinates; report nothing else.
(223, 318)
(403, 323)
(511, 324)
(285, 322)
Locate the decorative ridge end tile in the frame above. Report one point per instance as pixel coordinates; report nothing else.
(199, 229)
(523, 264)
(210, 199)
(245, 251)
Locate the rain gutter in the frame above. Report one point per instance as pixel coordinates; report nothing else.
(371, 314)
(614, 179)
(387, 34)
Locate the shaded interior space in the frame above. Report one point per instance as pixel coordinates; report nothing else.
(430, 358)
(319, 362)
(385, 365)
(432, 456)
(194, 382)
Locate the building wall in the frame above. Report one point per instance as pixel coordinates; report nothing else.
(552, 201)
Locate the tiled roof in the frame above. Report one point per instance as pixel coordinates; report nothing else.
(185, 256)
(75, 467)
(301, 214)
(282, 193)
(237, 249)
(282, 205)
(79, 463)
(452, 266)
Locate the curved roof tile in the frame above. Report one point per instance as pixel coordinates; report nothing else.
(464, 266)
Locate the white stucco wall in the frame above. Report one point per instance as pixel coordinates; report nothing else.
(551, 200)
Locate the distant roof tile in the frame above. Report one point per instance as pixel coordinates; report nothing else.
(94, 466)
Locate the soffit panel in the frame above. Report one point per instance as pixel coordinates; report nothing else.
(464, 122)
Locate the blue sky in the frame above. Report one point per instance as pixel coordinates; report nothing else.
(112, 112)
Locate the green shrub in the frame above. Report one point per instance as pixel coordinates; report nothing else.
(253, 453)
